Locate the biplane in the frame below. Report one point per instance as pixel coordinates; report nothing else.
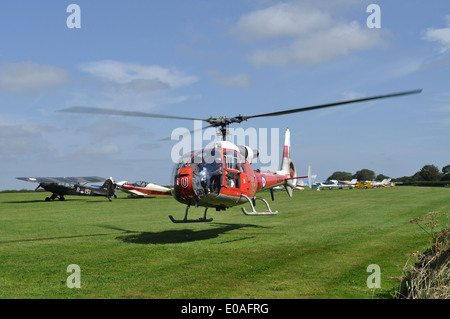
(74, 186)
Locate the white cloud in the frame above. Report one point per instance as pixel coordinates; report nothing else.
(314, 36)
(22, 139)
(352, 95)
(403, 68)
(285, 19)
(30, 78)
(441, 36)
(104, 150)
(110, 128)
(242, 80)
(442, 103)
(135, 77)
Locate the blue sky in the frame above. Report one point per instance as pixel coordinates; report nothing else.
(221, 58)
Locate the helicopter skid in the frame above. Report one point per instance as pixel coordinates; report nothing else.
(186, 220)
(254, 212)
(199, 220)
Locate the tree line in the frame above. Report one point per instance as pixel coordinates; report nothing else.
(429, 175)
(361, 175)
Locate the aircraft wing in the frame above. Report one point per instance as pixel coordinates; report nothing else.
(149, 189)
(62, 180)
(157, 188)
(133, 192)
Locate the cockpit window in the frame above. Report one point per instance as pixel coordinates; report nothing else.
(234, 161)
(210, 171)
(185, 160)
(140, 184)
(207, 172)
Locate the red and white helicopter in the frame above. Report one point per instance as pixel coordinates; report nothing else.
(222, 176)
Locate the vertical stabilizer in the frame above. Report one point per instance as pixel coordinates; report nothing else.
(287, 165)
(109, 187)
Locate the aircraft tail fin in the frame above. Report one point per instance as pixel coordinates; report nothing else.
(287, 165)
(109, 187)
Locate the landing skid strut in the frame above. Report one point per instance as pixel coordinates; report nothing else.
(254, 212)
(185, 220)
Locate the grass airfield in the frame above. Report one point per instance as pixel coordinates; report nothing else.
(318, 246)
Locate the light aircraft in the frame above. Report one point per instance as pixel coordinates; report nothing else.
(383, 183)
(222, 176)
(350, 184)
(62, 186)
(363, 184)
(142, 188)
(310, 183)
(299, 184)
(336, 184)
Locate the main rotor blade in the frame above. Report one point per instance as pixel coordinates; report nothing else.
(93, 110)
(321, 106)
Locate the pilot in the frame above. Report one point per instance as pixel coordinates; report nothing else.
(204, 180)
(230, 179)
(216, 178)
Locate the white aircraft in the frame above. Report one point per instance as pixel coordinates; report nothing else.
(336, 184)
(141, 189)
(310, 183)
(300, 184)
(383, 183)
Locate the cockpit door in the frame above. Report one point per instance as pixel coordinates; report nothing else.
(184, 183)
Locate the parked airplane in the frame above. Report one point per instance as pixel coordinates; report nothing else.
(62, 186)
(362, 184)
(383, 183)
(299, 183)
(142, 188)
(336, 184)
(310, 183)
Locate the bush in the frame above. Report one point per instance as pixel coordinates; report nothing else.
(424, 183)
(427, 275)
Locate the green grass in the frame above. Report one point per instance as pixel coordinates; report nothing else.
(318, 246)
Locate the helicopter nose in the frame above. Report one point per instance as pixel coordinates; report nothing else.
(185, 185)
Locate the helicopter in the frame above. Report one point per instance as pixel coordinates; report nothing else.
(222, 177)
